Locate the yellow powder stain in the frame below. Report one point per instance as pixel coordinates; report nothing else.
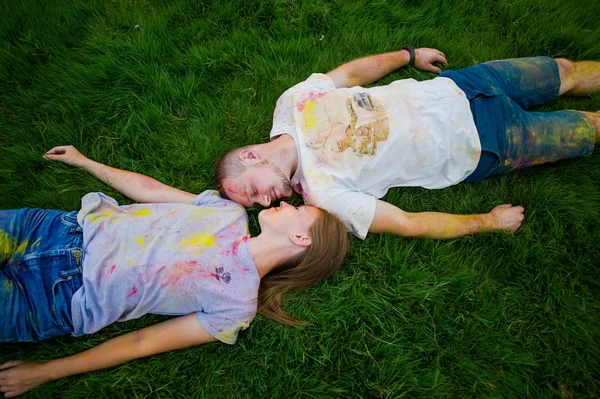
(8, 284)
(9, 246)
(140, 240)
(96, 216)
(201, 239)
(142, 212)
(273, 218)
(36, 243)
(309, 115)
(229, 334)
(289, 214)
(203, 213)
(21, 248)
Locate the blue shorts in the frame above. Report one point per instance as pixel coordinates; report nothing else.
(40, 270)
(500, 93)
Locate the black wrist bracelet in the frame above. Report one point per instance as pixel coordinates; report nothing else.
(411, 51)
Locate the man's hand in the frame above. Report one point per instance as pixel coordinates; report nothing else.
(426, 57)
(390, 219)
(17, 377)
(507, 217)
(367, 70)
(67, 154)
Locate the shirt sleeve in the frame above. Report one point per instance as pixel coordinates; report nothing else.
(356, 210)
(225, 325)
(283, 120)
(208, 197)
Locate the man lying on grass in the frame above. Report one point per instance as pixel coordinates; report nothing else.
(343, 146)
(183, 254)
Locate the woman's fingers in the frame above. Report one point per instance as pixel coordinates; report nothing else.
(10, 364)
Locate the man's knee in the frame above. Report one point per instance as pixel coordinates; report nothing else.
(566, 70)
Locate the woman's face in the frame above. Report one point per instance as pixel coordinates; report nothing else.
(287, 219)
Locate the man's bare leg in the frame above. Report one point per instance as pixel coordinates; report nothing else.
(578, 78)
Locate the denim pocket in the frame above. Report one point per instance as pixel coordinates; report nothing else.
(69, 219)
(48, 281)
(63, 288)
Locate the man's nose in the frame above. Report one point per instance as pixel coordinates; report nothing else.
(265, 201)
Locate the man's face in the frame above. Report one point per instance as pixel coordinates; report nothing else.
(260, 184)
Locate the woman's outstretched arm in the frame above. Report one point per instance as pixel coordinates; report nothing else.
(138, 187)
(18, 377)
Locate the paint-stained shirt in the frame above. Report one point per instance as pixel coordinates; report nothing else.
(172, 259)
(355, 143)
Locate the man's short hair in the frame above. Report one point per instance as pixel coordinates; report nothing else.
(228, 166)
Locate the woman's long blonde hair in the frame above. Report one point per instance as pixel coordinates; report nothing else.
(329, 244)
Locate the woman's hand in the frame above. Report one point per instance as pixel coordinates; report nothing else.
(425, 57)
(67, 154)
(18, 377)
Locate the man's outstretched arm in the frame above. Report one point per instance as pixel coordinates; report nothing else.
(367, 70)
(390, 219)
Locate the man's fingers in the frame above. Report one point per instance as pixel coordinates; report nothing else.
(442, 59)
(433, 68)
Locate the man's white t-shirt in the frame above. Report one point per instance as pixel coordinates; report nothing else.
(355, 143)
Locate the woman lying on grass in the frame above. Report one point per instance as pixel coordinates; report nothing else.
(180, 254)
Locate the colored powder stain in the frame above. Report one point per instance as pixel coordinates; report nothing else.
(142, 212)
(96, 216)
(21, 248)
(236, 244)
(9, 246)
(140, 241)
(203, 213)
(133, 291)
(289, 214)
(201, 239)
(5, 247)
(36, 243)
(112, 269)
(8, 285)
(151, 184)
(309, 115)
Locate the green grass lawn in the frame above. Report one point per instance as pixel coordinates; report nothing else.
(163, 88)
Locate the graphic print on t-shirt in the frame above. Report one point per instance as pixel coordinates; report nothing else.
(359, 125)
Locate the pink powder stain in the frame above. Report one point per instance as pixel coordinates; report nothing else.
(237, 244)
(133, 291)
(179, 272)
(112, 269)
(150, 184)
